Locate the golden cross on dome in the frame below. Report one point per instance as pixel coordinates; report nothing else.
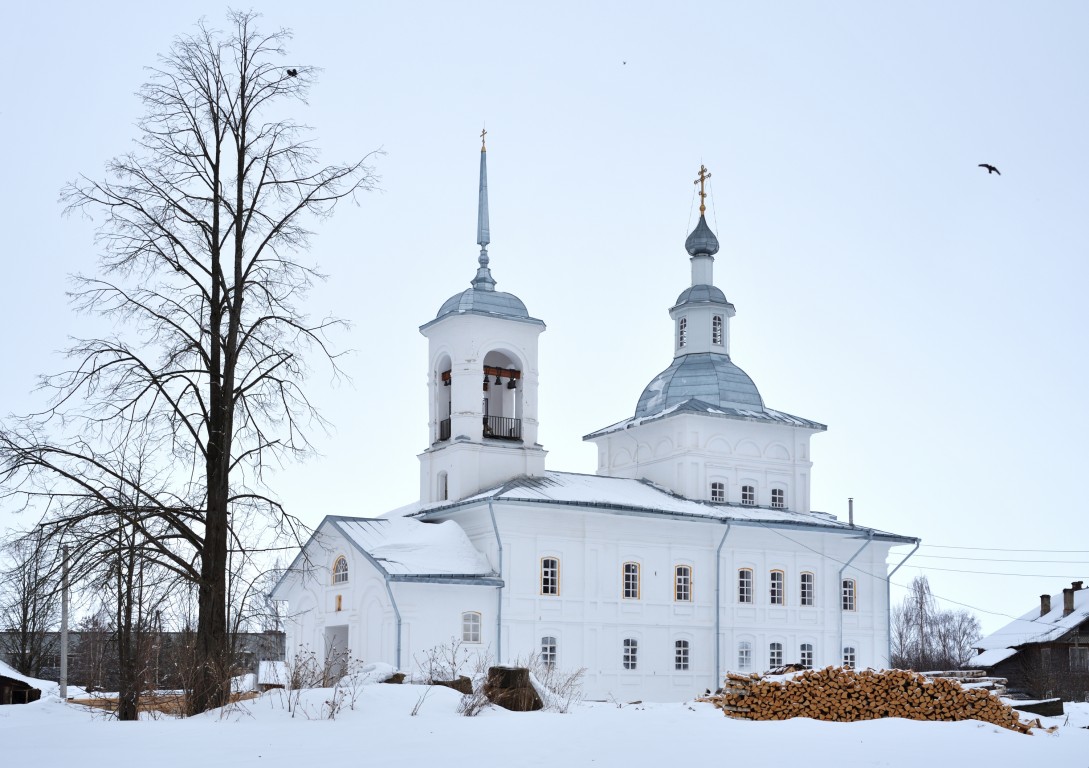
(483, 133)
(704, 176)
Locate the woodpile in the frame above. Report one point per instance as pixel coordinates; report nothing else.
(846, 695)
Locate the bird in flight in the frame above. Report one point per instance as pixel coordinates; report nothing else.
(292, 72)
(990, 169)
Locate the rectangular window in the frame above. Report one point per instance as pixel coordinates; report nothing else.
(744, 655)
(682, 589)
(631, 653)
(806, 589)
(631, 581)
(778, 498)
(807, 654)
(680, 655)
(848, 594)
(470, 627)
(744, 585)
(1079, 659)
(716, 330)
(550, 576)
(776, 588)
(748, 495)
(548, 651)
(775, 655)
(849, 657)
(718, 492)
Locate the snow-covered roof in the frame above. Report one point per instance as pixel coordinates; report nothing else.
(45, 686)
(619, 494)
(703, 408)
(991, 657)
(405, 546)
(1034, 628)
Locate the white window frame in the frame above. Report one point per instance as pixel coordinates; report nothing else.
(681, 655)
(776, 587)
(550, 576)
(744, 656)
(806, 654)
(850, 656)
(775, 655)
(807, 588)
(631, 653)
(716, 330)
(549, 646)
(631, 579)
(745, 584)
(748, 495)
(682, 583)
(778, 498)
(718, 492)
(849, 591)
(340, 574)
(470, 627)
(682, 332)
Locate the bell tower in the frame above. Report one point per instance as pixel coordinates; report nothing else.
(482, 383)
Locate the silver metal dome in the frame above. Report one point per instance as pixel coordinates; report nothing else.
(484, 302)
(709, 377)
(701, 294)
(702, 241)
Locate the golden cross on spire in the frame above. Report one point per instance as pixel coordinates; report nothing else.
(483, 133)
(704, 176)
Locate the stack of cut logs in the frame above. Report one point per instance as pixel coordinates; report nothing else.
(845, 695)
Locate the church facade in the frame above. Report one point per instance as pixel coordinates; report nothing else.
(692, 552)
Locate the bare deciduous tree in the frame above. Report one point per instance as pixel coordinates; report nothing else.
(926, 637)
(202, 274)
(29, 603)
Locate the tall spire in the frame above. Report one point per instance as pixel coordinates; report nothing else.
(483, 280)
(702, 241)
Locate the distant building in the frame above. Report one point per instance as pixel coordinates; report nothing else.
(1044, 653)
(693, 551)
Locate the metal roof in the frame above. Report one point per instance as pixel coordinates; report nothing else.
(702, 241)
(484, 302)
(702, 294)
(702, 408)
(707, 376)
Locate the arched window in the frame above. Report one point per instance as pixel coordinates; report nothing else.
(744, 585)
(470, 627)
(776, 593)
(340, 570)
(849, 657)
(550, 576)
(748, 495)
(631, 581)
(682, 584)
(775, 655)
(744, 655)
(778, 498)
(848, 594)
(806, 588)
(680, 655)
(807, 654)
(631, 653)
(716, 330)
(718, 492)
(548, 651)
(682, 332)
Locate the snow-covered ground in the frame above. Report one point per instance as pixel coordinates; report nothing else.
(382, 731)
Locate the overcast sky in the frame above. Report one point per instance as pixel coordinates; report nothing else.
(932, 315)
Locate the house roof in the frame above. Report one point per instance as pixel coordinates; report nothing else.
(629, 496)
(404, 546)
(404, 549)
(696, 406)
(991, 657)
(1034, 628)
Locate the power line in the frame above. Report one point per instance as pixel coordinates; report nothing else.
(1001, 549)
(1004, 560)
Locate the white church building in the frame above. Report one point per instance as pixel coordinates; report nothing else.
(692, 552)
